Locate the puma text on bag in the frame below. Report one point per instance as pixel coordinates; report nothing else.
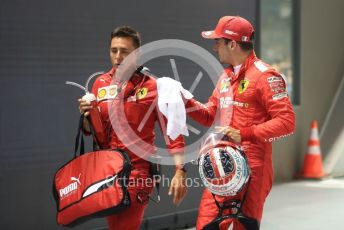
(91, 185)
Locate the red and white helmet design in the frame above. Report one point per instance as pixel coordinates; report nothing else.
(222, 166)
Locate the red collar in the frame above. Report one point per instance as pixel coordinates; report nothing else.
(135, 78)
(251, 58)
(136, 81)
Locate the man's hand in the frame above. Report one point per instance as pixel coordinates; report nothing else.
(232, 133)
(84, 106)
(178, 187)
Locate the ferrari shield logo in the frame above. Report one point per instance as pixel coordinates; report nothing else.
(243, 85)
(141, 93)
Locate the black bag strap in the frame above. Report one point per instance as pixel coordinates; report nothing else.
(79, 140)
(155, 171)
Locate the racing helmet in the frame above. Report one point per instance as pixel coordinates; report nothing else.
(223, 166)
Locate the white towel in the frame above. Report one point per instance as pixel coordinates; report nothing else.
(171, 105)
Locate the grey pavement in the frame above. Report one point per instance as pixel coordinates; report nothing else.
(305, 205)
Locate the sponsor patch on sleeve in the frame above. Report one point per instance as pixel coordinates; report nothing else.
(275, 79)
(276, 84)
(277, 87)
(278, 96)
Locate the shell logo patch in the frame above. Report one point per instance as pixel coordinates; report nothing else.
(243, 85)
(141, 93)
(101, 94)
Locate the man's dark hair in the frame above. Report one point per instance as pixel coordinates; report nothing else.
(245, 46)
(127, 32)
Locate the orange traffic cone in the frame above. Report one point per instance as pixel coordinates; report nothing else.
(312, 165)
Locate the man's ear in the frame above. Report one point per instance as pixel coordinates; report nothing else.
(233, 44)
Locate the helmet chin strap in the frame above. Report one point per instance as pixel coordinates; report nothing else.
(235, 208)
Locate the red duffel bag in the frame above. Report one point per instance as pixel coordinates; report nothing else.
(93, 184)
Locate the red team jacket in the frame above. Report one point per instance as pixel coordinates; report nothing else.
(260, 108)
(133, 115)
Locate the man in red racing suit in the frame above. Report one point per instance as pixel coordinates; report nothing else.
(133, 129)
(253, 110)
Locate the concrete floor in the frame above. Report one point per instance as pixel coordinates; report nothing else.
(305, 205)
